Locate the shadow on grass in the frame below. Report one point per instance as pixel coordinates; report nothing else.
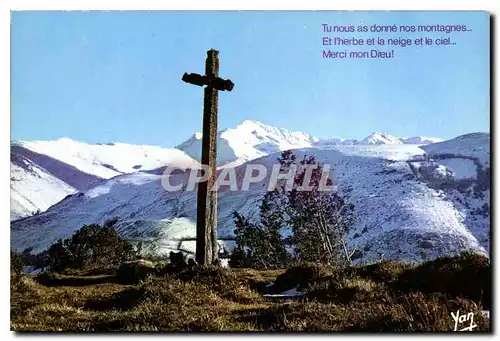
(50, 280)
(123, 300)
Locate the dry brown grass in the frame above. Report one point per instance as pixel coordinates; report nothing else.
(345, 300)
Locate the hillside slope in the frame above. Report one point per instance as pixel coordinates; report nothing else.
(33, 189)
(44, 172)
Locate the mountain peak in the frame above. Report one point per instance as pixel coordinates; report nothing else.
(249, 140)
(380, 138)
(251, 126)
(252, 123)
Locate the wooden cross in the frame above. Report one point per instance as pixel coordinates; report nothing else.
(206, 217)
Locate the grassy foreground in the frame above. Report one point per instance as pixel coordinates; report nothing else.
(386, 296)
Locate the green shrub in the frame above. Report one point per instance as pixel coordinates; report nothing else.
(91, 247)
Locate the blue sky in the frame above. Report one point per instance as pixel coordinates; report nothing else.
(116, 76)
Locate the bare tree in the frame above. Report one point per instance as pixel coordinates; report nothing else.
(320, 220)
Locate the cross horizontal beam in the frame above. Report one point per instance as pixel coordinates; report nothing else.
(201, 80)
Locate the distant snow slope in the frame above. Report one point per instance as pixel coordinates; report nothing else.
(111, 159)
(58, 169)
(420, 140)
(44, 172)
(474, 145)
(334, 142)
(401, 213)
(460, 169)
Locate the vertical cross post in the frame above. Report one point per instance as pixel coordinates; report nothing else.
(206, 220)
(206, 211)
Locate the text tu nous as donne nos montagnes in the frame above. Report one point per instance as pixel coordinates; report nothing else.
(373, 46)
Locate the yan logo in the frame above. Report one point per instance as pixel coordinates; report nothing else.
(461, 319)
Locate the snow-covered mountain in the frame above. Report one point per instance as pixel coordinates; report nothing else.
(405, 207)
(65, 166)
(247, 141)
(44, 172)
(253, 139)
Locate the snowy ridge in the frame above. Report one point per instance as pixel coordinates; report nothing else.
(44, 172)
(60, 170)
(111, 159)
(474, 145)
(252, 139)
(338, 141)
(421, 140)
